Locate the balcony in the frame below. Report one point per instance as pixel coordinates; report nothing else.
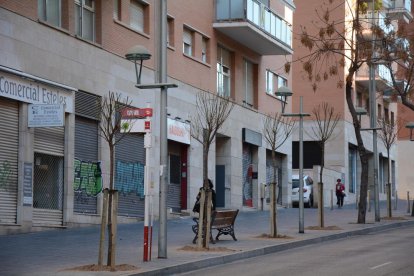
(255, 26)
(383, 79)
(370, 19)
(400, 9)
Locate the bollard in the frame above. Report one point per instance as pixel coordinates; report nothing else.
(331, 199)
(396, 200)
(408, 202)
(369, 200)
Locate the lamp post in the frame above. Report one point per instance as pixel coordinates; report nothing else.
(139, 54)
(410, 126)
(284, 92)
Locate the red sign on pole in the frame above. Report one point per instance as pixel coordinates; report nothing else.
(136, 113)
(147, 125)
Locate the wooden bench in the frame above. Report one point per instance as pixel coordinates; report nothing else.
(222, 221)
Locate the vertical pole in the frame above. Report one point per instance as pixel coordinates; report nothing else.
(373, 113)
(408, 202)
(162, 61)
(147, 146)
(301, 209)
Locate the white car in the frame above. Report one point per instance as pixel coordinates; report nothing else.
(307, 190)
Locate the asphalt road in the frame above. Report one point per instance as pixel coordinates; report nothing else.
(386, 253)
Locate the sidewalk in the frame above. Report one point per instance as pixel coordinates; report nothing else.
(51, 252)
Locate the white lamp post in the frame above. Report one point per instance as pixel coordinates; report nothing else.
(140, 53)
(284, 92)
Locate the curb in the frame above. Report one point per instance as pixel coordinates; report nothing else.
(219, 260)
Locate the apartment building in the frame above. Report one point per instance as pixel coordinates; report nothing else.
(68, 54)
(341, 156)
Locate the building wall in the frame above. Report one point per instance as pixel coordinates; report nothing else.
(55, 54)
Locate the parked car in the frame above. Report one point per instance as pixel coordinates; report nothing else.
(307, 190)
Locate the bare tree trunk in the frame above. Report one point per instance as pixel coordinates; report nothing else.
(113, 227)
(110, 205)
(208, 221)
(362, 204)
(320, 190)
(273, 206)
(389, 209)
(103, 225)
(201, 219)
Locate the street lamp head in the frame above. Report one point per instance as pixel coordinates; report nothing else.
(410, 126)
(138, 53)
(360, 111)
(283, 92)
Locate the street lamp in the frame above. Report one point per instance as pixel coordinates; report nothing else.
(285, 92)
(410, 126)
(140, 53)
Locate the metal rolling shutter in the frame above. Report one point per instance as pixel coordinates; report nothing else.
(49, 145)
(50, 140)
(87, 110)
(86, 157)
(174, 187)
(9, 146)
(129, 172)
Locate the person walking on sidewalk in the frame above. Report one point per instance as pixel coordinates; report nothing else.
(340, 193)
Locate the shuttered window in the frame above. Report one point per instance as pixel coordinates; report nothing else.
(187, 42)
(136, 16)
(248, 83)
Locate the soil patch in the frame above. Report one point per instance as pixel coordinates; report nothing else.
(95, 267)
(267, 236)
(394, 218)
(211, 249)
(331, 227)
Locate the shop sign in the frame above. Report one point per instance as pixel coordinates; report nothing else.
(178, 131)
(27, 184)
(46, 115)
(26, 90)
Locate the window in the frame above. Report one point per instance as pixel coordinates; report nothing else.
(50, 11)
(136, 16)
(116, 10)
(379, 111)
(204, 44)
(273, 82)
(223, 72)
(187, 42)
(386, 115)
(85, 19)
(170, 31)
(392, 118)
(248, 83)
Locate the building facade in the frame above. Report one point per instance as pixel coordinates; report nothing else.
(70, 54)
(341, 156)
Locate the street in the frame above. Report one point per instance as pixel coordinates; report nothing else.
(384, 253)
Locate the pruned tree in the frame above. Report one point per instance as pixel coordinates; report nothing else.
(388, 135)
(326, 120)
(276, 130)
(211, 113)
(113, 131)
(343, 43)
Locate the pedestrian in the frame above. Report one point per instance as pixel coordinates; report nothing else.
(340, 193)
(196, 208)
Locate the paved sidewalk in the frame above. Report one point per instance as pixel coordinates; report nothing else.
(51, 252)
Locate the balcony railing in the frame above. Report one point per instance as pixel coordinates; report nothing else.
(258, 15)
(383, 78)
(377, 18)
(400, 9)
